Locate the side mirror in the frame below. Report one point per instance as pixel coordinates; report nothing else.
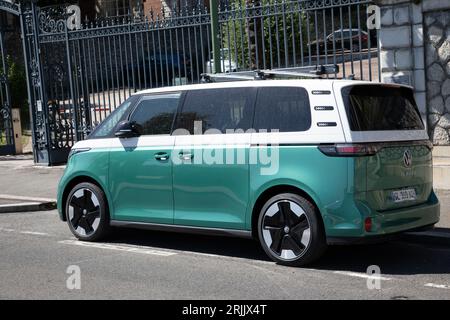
(127, 129)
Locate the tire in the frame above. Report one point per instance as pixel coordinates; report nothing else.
(87, 212)
(290, 230)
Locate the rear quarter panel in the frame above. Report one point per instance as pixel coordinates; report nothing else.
(329, 181)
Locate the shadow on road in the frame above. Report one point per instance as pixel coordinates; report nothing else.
(397, 257)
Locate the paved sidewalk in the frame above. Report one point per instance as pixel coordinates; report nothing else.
(20, 177)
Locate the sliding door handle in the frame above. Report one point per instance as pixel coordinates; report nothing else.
(185, 156)
(162, 156)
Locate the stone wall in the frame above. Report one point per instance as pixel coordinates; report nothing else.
(415, 50)
(437, 58)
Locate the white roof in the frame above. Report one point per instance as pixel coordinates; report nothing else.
(315, 84)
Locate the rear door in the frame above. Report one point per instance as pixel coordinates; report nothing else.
(386, 118)
(210, 158)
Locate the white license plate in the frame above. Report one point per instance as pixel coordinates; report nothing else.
(404, 195)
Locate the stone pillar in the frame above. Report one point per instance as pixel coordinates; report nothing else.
(415, 49)
(402, 51)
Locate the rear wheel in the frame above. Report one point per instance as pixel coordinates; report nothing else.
(87, 212)
(290, 231)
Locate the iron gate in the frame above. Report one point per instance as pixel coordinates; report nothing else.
(6, 126)
(78, 72)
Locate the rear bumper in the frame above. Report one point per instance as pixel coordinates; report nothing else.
(372, 239)
(387, 225)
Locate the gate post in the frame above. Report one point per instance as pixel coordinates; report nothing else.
(35, 84)
(72, 91)
(9, 135)
(27, 74)
(214, 12)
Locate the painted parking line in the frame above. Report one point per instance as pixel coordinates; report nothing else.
(123, 248)
(35, 233)
(363, 275)
(438, 286)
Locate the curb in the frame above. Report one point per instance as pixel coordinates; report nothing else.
(433, 237)
(27, 207)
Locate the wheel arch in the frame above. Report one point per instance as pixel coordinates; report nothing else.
(272, 191)
(72, 183)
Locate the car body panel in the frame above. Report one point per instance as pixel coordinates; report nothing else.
(93, 164)
(139, 184)
(346, 190)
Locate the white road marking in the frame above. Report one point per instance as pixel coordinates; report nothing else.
(126, 248)
(34, 233)
(362, 275)
(439, 286)
(21, 198)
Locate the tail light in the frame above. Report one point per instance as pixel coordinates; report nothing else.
(368, 224)
(348, 150)
(364, 37)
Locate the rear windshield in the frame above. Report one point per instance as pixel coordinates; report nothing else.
(379, 108)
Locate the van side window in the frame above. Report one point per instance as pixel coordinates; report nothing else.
(284, 108)
(155, 113)
(221, 109)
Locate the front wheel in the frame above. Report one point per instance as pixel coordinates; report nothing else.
(290, 230)
(87, 212)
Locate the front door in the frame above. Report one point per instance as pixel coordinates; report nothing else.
(140, 177)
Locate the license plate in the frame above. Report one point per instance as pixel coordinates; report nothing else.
(404, 195)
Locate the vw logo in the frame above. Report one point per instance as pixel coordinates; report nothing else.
(407, 158)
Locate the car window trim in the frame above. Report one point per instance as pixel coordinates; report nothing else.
(179, 109)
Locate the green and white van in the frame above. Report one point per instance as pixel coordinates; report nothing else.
(296, 164)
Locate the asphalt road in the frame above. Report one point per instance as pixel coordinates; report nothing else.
(36, 249)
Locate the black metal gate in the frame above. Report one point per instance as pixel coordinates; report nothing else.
(6, 126)
(80, 71)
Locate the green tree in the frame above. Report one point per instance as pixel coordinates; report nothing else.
(269, 30)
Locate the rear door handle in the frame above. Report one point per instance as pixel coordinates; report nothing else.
(185, 156)
(162, 156)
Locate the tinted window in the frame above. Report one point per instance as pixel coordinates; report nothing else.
(285, 109)
(106, 128)
(375, 107)
(155, 113)
(221, 109)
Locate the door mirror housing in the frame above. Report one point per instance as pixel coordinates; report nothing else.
(127, 129)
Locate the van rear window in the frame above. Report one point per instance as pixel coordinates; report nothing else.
(379, 108)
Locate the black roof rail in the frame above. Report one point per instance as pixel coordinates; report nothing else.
(310, 72)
